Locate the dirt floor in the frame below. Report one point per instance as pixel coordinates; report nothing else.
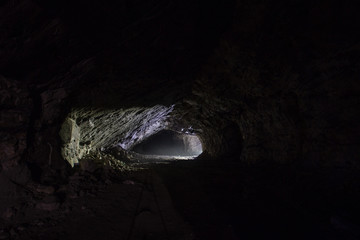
(194, 200)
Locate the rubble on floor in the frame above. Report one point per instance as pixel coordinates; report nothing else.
(44, 205)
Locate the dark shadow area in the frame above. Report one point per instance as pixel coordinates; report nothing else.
(233, 201)
(233, 141)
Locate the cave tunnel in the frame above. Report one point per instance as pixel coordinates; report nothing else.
(142, 133)
(170, 143)
(192, 119)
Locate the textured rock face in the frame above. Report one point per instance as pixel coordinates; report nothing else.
(85, 129)
(70, 136)
(268, 82)
(290, 92)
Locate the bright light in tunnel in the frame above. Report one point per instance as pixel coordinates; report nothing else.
(139, 133)
(169, 145)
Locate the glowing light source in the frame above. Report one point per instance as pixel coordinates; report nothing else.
(169, 145)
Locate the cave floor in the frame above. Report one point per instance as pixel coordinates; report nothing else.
(136, 207)
(197, 200)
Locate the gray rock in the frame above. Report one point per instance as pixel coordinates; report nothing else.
(70, 135)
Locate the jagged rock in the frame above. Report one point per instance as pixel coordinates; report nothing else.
(98, 129)
(119, 153)
(70, 135)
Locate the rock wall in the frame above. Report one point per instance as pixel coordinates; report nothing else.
(263, 82)
(287, 81)
(192, 144)
(86, 130)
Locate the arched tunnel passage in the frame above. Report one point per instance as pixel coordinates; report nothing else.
(285, 73)
(135, 134)
(170, 144)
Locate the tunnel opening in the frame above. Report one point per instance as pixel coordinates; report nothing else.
(109, 131)
(137, 134)
(169, 145)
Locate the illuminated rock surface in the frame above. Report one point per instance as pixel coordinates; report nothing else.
(90, 130)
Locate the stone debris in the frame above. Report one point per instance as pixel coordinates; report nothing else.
(107, 162)
(54, 201)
